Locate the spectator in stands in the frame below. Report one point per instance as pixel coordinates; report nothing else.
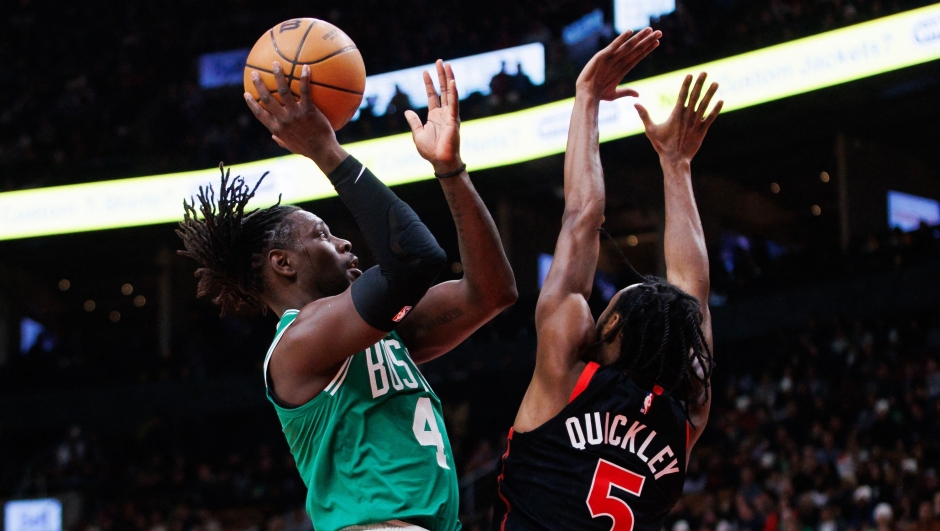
(133, 110)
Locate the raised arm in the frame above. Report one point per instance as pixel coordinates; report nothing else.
(677, 140)
(563, 320)
(451, 311)
(330, 329)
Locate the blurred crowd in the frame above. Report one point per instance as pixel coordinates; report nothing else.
(91, 91)
(833, 426)
(74, 352)
(745, 266)
(172, 477)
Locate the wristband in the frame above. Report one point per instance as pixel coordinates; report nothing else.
(451, 174)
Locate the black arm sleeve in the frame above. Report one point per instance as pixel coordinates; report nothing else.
(408, 256)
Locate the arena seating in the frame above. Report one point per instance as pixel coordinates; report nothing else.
(814, 427)
(137, 109)
(832, 424)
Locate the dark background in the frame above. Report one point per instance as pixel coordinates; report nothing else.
(827, 328)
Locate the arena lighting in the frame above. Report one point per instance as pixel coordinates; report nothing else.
(474, 72)
(636, 14)
(33, 515)
(749, 79)
(907, 211)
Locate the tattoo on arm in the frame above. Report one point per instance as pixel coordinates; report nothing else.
(455, 210)
(444, 318)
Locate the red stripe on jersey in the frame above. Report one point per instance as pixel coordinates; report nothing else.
(499, 482)
(584, 380)
(688, 434)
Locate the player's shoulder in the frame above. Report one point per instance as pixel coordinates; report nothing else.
(609, 384)
(311, 315)
(287, 318)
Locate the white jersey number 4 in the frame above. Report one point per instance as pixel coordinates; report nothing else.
(426, 430)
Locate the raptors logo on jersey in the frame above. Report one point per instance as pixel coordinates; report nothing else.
(612, 460)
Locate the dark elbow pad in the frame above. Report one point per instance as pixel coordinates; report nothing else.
(408, 256)
(385, 294)
(412, 243)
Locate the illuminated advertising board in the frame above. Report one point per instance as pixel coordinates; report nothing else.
(33, 515)
(221, 69)
(473, 72)
(908, 211)
(589, 26)
(636, 14)
(746, 80)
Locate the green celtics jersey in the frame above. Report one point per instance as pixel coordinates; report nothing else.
(371, 447)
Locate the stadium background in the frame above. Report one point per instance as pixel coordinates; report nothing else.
(147, 411)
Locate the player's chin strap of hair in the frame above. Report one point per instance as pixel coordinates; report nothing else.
(633, 277)
(408, 256)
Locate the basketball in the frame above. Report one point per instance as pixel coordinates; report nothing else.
(337, 73)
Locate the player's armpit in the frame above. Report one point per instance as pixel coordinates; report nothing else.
(323, 335)
(563, 323)
(544, 399)
(565, 328)
(557, 368)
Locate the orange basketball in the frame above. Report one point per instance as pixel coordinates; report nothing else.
(337, 73)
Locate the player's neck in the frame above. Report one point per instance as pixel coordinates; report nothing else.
(291, 300)
(604, 352)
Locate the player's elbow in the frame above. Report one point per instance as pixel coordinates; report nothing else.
(434, 259)
(505, 296)
(695, 282)
(417, 250)
(702, 290)
(511, 294)
(496, 298)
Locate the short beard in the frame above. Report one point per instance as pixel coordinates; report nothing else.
(333, 285)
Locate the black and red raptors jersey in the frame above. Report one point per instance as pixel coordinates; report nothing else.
(612, 460)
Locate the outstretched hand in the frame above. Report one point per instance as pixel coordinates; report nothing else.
(295, 123)
(607, 68)
(438, 140)
(680, 137)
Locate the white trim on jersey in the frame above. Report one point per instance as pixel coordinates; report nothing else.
(391, 525)
(277, 338)
(424, 382)
(340, 376)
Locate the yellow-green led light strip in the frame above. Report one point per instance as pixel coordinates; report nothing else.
(746, 80)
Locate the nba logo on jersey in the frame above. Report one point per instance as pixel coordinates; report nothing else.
(401, 315)
(647, 402)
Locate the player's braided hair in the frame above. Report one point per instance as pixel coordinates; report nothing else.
(663, 341)
(229, 244)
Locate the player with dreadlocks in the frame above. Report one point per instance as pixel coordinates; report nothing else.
(364, 427)
(620, 402)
